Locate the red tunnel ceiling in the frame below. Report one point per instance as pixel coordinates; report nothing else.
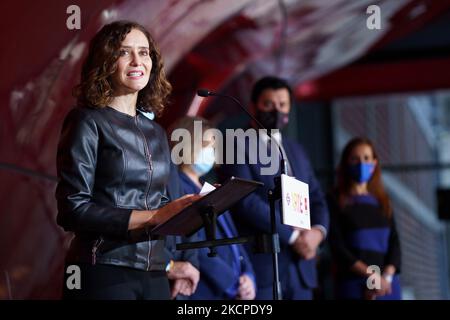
(404, 72)
(220, 44)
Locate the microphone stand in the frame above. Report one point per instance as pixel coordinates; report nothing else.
(273, 195)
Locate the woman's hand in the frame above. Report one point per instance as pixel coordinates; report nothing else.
(384, 289)
(185, 278)
(144, 218)
(172, 208)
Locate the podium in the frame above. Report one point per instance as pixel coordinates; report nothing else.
(204, 213)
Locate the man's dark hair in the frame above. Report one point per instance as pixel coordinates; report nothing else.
(269, 82)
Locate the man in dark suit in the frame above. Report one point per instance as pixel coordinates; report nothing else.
(271, 103)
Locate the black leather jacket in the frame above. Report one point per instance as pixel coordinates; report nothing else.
(108, 164)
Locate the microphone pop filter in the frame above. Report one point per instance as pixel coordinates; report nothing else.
(203, 92)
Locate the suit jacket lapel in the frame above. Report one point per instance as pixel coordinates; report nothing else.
(291, 156)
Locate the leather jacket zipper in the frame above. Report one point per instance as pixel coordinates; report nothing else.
(95, 247)
(149, 158)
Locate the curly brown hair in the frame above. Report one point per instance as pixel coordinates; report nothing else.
(375, 184)
(95, 88)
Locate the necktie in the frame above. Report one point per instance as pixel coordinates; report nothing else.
(288, 165)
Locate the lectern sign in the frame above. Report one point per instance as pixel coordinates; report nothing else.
(295, 197)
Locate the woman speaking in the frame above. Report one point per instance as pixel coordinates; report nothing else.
(113, 167)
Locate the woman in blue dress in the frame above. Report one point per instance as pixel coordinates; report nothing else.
(229, 275)
(363, 237)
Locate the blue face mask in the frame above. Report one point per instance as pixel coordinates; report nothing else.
(204, 162)
(361, 172)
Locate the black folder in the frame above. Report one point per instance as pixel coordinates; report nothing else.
(189, 220)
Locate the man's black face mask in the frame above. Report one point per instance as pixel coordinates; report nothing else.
(273, 119)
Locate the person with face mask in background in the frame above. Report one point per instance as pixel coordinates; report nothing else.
(271, 100)
(363, 232)
(229, 275)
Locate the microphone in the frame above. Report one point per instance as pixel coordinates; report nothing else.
(203, 93)
(206, 93)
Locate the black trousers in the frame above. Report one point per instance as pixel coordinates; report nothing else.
(108, 282)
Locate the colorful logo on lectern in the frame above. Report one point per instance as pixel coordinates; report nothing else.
(299, 203)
